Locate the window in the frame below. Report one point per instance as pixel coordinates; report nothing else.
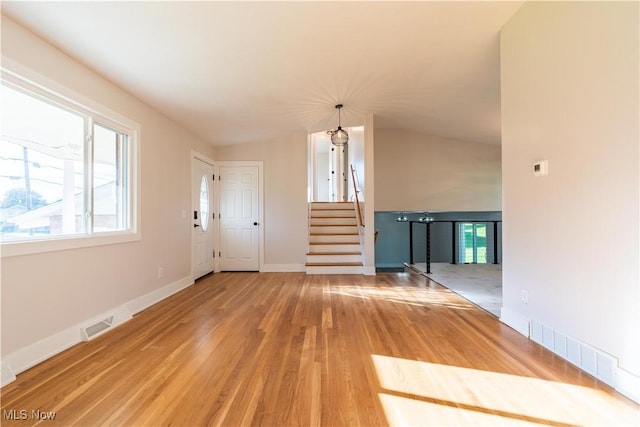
(472, 243)
(204, 203)
(65, 171)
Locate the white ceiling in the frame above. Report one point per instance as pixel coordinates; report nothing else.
(247, 71)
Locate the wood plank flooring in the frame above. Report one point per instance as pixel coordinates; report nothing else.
(241, 349)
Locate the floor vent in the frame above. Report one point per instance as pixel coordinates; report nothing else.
(90, 331)
(99, 327)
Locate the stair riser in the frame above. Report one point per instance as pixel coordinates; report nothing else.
(334, 258)
(332, 205)
(334, 270)
(334, 248)
(334, 221)
(332, 238)
(323, 213)
(333, 229)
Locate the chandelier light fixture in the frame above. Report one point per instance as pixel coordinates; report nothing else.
(339, 137)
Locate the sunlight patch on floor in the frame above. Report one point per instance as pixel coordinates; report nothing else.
(416, 297)
(402, 411)
(414, 391)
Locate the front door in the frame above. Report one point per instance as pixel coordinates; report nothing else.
(202, 216)
(240, 216)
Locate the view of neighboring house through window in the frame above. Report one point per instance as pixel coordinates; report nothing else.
(63, 170)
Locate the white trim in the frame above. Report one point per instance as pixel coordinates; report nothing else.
(369, 270)
(216, 207)
(7, 375)
(198, 155)
(514, 320)
(282, 268)
(62, 243)
(30, 80)
(628, 384)
(29, 356)
(154, 297)
(215, 200)
(44, 84)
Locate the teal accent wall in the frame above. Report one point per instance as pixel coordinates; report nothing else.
(392, 245)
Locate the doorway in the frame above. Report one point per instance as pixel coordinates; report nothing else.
(329, 169)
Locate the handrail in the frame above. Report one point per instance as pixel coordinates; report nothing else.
(355, 191)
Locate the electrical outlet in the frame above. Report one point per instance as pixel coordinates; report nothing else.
(160, 272)
(525, 296)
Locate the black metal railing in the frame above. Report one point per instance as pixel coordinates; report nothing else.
(454, 239)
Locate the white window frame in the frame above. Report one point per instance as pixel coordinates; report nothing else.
(28, 80)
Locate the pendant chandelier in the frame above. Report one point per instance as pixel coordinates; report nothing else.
(339, 137)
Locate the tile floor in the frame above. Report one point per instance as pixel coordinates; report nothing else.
(479, 283)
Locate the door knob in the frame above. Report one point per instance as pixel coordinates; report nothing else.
(255, 223)
(196, 225)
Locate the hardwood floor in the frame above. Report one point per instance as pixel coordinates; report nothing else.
(290, 349)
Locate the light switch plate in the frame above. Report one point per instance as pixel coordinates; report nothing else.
(541, 168)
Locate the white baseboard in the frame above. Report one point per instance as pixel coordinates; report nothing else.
(282, 268)
(26, 357)
(7, 375)
(369, 270)
(628, 384)
(515, 321)
(147, 300)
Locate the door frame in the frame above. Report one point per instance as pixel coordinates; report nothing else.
(215, 201)
(261, 233)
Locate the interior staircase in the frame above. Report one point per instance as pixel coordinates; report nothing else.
(334, 240)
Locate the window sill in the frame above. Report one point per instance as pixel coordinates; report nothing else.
(11, 249)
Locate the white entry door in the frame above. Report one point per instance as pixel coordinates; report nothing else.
(240, 217)
(202, 216)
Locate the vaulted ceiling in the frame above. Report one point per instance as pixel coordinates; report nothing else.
(236, 72)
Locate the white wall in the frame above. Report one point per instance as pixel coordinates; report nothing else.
(285, 197)
(570, 96)
(356, 159)
(416, 171)
(369, 255)
(45, 294)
